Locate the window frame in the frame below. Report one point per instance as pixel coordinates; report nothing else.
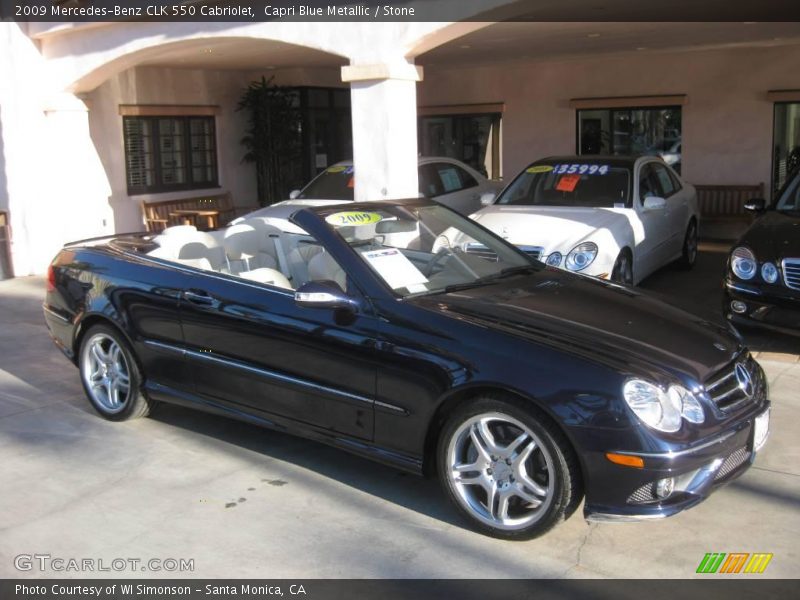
(158, 186)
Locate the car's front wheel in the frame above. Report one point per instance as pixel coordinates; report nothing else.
(689, 253)
(623, 268)
(507, 468)
(110, 375)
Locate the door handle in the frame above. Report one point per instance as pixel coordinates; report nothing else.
(199, 297)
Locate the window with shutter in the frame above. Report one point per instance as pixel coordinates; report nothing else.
(165, 154)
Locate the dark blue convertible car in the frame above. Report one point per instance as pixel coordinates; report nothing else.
(522, 387)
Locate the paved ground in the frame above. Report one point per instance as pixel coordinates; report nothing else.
(244, 502)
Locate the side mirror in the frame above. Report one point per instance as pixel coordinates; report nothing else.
(294, 194)
(487, 198)
(756, 205)
(323, 294)
(654, 203)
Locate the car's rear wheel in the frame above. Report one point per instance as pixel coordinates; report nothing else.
(110, 375)
(623, 268)
(689, 254)
(507, 468)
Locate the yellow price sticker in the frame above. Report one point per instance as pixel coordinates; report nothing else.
(336, 169)
(353, 217)
(539, 169)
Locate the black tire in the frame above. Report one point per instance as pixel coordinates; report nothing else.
(622, 272)
(552, 462)
(124, 402)
(689, 254)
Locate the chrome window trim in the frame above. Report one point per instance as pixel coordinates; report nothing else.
(208, 357)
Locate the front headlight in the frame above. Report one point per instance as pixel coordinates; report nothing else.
(659, 409)
(743, 263)
(769, 272)
(554, 259)
(581, 256)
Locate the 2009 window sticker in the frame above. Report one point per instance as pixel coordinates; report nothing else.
(580, 169)
(353, 217)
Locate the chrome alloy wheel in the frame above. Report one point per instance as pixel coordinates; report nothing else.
(500, 470)
(105, 372)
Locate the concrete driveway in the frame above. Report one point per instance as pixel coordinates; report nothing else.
(244, 502)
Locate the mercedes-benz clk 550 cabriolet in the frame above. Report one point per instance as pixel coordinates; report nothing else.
(524, 388)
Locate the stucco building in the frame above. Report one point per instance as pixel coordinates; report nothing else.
(98, 118)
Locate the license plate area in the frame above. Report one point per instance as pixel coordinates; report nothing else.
(760, 430)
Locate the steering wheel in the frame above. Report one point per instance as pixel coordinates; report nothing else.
(437, 258)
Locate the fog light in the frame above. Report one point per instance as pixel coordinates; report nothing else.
(738, 307)
(665, 487)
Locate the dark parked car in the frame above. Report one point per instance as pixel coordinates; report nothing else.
(762, 283)
(523, 387)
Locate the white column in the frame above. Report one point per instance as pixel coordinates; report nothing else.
(77, 188)
(384, 109)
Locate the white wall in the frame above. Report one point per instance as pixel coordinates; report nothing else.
(727, 121)
(165, 86)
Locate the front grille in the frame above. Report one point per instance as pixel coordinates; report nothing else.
(535, 252)
(791, 273)
(733, 462)
(479, 249)
(725, 388)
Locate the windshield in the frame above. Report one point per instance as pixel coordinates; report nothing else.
(334, 183)
(576, 183)
(426, 249)
(790, 197)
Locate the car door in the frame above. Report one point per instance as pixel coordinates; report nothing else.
(678, 204)
(458, 189)
(652, 250)
(252, 348)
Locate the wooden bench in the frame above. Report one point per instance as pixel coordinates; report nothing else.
(158, 215)
(726, 201)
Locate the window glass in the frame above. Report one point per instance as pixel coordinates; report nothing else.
(632, 131)
(426, 249)
(334, 183)
(790, 196)
(430, 185)
(648, 183)
(472, 139)
(448, 174)
(580, 183)
(786, 142)
(169, 153)
(665, 182)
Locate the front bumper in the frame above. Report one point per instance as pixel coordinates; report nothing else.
(776, 309)
(696, 473)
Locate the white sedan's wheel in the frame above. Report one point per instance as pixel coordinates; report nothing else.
(623, 269)
(689, 254)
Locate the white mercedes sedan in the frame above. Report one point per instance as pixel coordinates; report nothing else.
(613, 217)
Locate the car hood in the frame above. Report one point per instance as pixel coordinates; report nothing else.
(625, 328)
(774, 236)
(552, 227)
